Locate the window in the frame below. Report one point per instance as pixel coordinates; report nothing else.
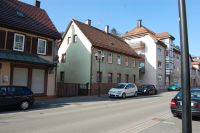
(126, 78)
(118, 59)
(75, 38)
(159, 64)
(41, 49)
(63, 58)
(99, 77)
(134, 63)
(118, 78)
(159, 78)
(134, 78)
(167, 66)
(159, 51)
(69, 40)
(62, 76)
(109, 77)
(18, 42)
(109, 57)
(126, 61)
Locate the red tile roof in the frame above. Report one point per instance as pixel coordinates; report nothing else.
(21, 16)
(164, 35)
(143, 30)
(196, 63)
(108, 41)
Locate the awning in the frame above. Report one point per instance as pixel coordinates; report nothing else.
(23, 57)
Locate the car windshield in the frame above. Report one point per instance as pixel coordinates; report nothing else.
(195, 94)
(120, 86)
(143, 86)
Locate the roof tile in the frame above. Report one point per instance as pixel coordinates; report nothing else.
(26, 17)
(104, 40)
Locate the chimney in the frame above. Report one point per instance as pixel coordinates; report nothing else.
(37, 3)
(139, 23)
(88, 22)
(107, 29)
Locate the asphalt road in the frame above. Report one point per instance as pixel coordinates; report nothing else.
(90, 115)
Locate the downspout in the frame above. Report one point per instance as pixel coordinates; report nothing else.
(90, 70)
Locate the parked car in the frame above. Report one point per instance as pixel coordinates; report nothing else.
(147, 89)
(16, 96)
(123, 90)
(176, 103)
(173, 87)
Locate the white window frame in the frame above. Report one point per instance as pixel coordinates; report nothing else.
(22, 42)
(69, 39)
(45, 46)
(75, 38)
(110, 57)
(119, 59)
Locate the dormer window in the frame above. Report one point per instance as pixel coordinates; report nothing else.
(18, 42)
(20, 14)
(41, 48)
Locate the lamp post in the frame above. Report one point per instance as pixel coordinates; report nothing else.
(99, 57)
(185, 71)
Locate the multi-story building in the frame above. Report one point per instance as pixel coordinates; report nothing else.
(27, 47)
(148, 44)
(176, 71)
(195, 74)
(79, 53)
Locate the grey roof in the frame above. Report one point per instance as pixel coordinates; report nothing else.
(23, 57)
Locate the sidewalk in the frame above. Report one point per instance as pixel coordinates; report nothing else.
(172, 125)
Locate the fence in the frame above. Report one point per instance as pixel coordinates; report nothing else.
(104, 88)
(71, 90)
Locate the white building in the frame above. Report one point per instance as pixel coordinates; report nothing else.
(148, 44)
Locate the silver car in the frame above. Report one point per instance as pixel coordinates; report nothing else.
(123, 90)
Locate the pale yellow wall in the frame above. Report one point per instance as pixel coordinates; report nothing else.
(5, 72)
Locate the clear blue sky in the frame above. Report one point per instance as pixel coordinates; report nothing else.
(157, 15)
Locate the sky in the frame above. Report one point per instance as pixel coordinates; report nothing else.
(157, 15)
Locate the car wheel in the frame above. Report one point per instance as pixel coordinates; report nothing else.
(124, 95)
(24, 105)
(155, 92)
(135, 94)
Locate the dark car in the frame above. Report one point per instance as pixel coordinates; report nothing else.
(176, 103)
(16, 96)
(147, 89)
(173, 87)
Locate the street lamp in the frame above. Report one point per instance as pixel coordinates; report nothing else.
(100, 57)
(185, 80)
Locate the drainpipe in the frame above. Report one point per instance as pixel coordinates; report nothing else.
(89, 88)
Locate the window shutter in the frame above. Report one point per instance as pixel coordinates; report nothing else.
(27, 44)
(34, 45)
(49, 48)
(2, 39)
(10, 41)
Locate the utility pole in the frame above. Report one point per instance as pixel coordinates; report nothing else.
(185, 80)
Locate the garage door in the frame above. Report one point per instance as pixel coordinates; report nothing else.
(20, 76)
(38, 76)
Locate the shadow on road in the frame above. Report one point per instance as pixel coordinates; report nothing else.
(66, 101)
